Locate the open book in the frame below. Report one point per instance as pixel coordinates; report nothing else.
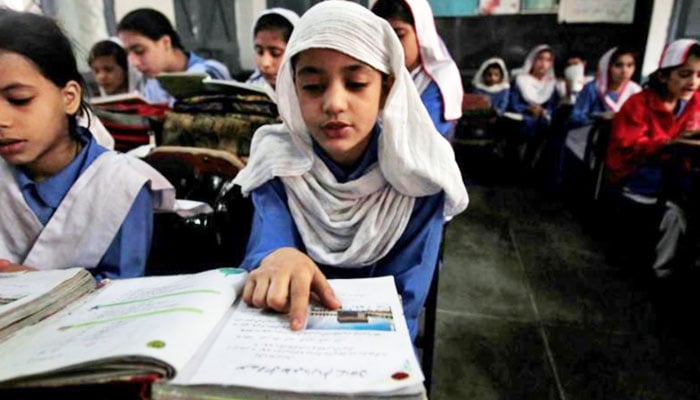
(194, 330)
(28, 297)
(186, 84)
(122, 98)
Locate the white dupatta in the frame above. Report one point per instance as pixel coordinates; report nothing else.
(535, 91)
(478, 80)
(355, 223)
(436, 62)
(626, 90)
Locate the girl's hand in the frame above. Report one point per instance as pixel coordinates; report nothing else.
(284, 281)
(7, 266)
(536, 110)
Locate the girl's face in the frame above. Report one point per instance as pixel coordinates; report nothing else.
(409, 41)
(109, 75)
(683, 81)
(340, 99)
(33, 117)
(543, 63)
(150, 57)
(269, 49)
(622, 69)
(492, 76)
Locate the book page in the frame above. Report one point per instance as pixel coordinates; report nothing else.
(18, 288)
(365, 348)
(164, 317)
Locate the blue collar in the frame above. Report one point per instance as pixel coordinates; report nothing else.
(52, 190)
(344, 174)
(193, 59)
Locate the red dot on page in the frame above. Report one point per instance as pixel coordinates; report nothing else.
(399, 376)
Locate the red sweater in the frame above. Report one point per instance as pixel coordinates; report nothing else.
(642, 128)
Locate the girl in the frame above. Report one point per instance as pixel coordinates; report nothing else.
(66, 201)
(647, 123)
(270, 36)
(109, 66)
(154, 47)
(492, 81)
(434, 73)
(357, 181)
(609, 91)
(534, 95)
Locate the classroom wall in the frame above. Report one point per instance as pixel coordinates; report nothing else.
(472, 40)
(658, 35)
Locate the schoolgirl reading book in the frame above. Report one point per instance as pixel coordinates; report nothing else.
(153, 47)
(270, 36)
(357, 181)
(66, 200)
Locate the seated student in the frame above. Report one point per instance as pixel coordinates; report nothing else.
(154, 47)
(108, 62)
(609, 91)
(574, 78)
(646, 124)
(435, 74)
(533, 95)
(66, 200)
(357, 181)
(492, 81)
(270, 36)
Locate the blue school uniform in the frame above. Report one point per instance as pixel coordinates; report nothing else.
(155, 93)
(127, 254)
(588, 102)
(411, 261)
(531, 125)
(499, 100)
(432, 99)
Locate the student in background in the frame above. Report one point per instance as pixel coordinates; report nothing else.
(492, 81)
(435, 74)
(108, 62)
(66, 200)
(611, 88)
(574, 78)
(357, 181)
(534, 96)
(153, 47)
(645, 126)
(270, 36)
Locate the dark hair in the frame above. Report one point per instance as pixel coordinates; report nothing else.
(494, 65)
(274, 22)
(657, 80)
(394, 9)
(107, 48)
(40, 40)
(150, 23)
(575, 54)
(620, 51)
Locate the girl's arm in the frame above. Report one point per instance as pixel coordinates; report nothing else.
(127, 255)
(282, 276)
(584, 106)
(432, 99)
(413, 259)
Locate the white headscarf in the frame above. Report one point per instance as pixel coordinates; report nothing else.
(626, 90)
(436, 60)
(676, 53)
(534, 90)
(478, 80)
(355, 223)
